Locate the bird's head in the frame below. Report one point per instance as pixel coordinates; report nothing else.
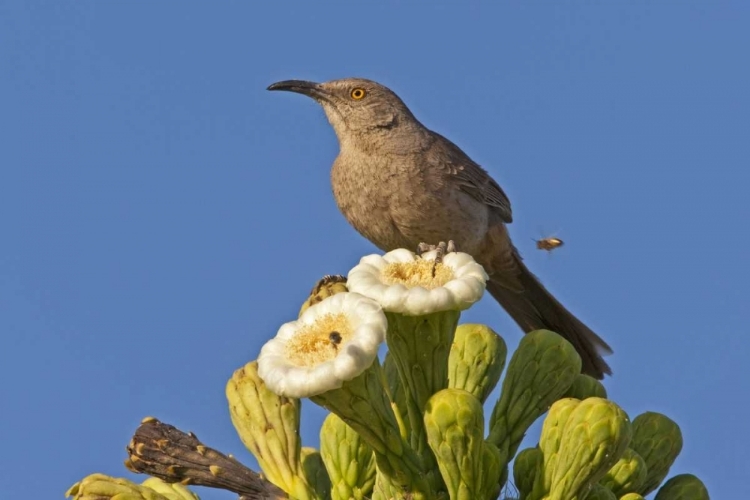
(354, 105)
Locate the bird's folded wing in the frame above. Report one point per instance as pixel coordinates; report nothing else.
(470, 177)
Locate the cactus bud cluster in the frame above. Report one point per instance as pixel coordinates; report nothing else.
(413, 426)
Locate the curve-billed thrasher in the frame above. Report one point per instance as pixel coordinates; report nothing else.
(400, 184)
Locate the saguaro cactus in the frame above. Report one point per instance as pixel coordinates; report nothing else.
(412, 427)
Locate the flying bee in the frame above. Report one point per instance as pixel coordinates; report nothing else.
(335, 338)
(548, 244)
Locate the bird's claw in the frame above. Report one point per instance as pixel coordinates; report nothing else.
(441, 248)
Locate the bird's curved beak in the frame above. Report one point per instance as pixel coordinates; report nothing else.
(311, 89)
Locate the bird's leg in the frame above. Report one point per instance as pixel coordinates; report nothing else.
(442, 248)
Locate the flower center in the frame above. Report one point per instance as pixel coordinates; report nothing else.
(319, 342)
(424, 273)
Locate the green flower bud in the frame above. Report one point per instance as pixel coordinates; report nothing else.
(172, 491)
(657, 439)
(580, 442)
(599, 492)
(315, 472)
(476, 360)
(540, 371)
(632, 496)
(268, 425)
(455, 423)
(526, 465)
(683, 487)
(385, 489)
(585, 386)
(103, 487)
(494, 471)
(330, 284)
(627, 475)
(348, 459)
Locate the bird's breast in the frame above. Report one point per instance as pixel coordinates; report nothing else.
(397, 203)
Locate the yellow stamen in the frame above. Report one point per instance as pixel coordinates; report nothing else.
(315, 344)
(424, 273)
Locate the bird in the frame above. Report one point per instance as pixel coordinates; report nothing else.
(400, 184)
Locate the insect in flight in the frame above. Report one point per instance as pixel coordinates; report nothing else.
(549, 244)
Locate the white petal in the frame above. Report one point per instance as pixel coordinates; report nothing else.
(465, 291)
(379, 324)
(274, 347)
(287, 330)
(346, 364)
(372, 262)
(399, 255)
(457, 259)
(359, 278)
(441, 299)
(431, 255)
(369, 337)
(316, 311)
(392, 297)
(322, 378)
(417, 301)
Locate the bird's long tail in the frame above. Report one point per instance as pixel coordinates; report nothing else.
(535, 308)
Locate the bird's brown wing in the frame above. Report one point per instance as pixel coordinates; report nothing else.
(470, 177)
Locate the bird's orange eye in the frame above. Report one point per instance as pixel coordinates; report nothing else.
(358, 94)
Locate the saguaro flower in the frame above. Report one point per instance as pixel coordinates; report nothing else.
(331, 342)
(422, 299)
(329, 355)
(403, 282)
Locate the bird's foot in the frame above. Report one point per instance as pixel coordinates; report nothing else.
(442, 248)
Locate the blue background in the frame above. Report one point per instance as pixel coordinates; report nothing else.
(161, 214)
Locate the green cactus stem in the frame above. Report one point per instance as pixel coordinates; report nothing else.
(363, 404)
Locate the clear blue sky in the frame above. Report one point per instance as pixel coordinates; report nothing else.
(161, 213)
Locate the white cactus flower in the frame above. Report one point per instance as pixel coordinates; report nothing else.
(405, 283)
(332, 342)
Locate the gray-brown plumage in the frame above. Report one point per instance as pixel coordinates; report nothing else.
(400, 184)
